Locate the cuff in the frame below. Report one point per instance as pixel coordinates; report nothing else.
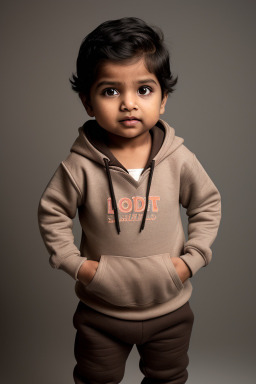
(194, 261)
(72, 264)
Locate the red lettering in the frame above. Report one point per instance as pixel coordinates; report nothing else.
(110, 209)
(125, 205)
(154, 200)
(139, 204)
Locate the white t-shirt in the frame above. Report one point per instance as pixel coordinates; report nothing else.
(135, 173)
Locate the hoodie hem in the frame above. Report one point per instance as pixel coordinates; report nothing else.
(138, 312)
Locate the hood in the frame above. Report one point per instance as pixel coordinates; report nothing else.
(92, 139)
(91, 143)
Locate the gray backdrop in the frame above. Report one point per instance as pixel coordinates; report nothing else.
(212, 48)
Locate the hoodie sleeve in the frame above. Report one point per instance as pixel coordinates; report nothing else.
(202, 201)
(56, 211)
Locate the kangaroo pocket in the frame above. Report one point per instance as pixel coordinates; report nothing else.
(128, 281)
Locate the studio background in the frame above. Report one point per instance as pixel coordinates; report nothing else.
(212, 46)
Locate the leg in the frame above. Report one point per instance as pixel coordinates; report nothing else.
(163, 355)
(100, 356)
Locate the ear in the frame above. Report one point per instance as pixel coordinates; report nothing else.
(86, 104)
(163, 103)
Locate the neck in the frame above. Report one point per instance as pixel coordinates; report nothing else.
(132, 153)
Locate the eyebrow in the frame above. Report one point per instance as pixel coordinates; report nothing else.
(116, 83)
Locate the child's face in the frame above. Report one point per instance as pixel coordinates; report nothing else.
(122, 91)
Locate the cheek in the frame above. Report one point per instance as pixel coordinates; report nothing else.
(105, 106)
(156, 108)
(99, 108)
(105, 112)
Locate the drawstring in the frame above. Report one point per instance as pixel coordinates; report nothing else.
(113, 198)
(112, 194)
(152, 166)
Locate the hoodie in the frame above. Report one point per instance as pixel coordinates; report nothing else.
(132, 228)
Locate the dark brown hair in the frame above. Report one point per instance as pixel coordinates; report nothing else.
(120, 40)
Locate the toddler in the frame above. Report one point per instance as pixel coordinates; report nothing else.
(128, 175)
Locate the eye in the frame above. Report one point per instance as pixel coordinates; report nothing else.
(110, 92)
(144, 90)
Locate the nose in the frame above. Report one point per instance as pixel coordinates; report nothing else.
(128, 102)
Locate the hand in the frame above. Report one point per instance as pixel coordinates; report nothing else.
(181, 268)
(87, 271)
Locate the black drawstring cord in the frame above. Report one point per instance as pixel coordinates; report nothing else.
(112, 194)
(152, 165)
(113, 198)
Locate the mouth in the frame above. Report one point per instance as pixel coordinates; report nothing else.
(130, 118)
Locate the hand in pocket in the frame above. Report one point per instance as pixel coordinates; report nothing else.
(181, 268)
(87, 271)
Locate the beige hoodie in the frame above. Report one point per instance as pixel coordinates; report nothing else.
(133, 228)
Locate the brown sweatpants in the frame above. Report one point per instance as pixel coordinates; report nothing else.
(103, 344)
